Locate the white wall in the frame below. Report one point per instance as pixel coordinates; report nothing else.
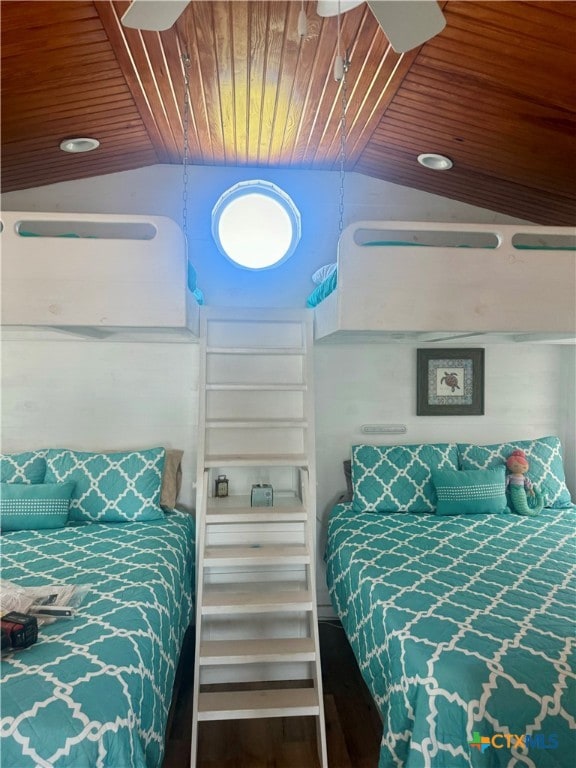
(102, 394)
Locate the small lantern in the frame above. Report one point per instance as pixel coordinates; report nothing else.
(221, 486)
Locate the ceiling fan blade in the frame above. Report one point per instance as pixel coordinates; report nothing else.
(153, 15)
(408, 23)
(333, 7)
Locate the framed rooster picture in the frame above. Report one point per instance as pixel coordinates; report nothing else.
(450, 382)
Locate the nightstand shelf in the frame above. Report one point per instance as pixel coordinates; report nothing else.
(237, 509)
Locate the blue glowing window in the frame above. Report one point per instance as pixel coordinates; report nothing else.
(256, 225)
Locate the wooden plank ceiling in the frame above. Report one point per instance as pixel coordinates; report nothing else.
(494, 91)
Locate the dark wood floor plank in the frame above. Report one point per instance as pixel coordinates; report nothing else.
(353, 727)
(338, 752)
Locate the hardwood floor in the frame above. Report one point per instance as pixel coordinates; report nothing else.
(353, 727)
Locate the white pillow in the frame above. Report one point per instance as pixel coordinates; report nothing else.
(323, 273)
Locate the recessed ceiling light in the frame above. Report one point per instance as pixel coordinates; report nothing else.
(435, 162)
(79, 145)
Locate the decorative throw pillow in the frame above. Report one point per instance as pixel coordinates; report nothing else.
(29, 467)
(398, 478)
(25, 507)
(544, 456)
(171, 479)
(470, 492)
(110, 487)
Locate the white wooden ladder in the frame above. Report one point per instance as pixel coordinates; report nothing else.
(256, 614)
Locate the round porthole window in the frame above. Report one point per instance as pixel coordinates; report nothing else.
(256, 225)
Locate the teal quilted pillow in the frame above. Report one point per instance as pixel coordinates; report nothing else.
(110, 487)
(29, 467)
(544, 456)
(25, 507)
(398, 478)
(471, 492)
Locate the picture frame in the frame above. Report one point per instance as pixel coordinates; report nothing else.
(450, 382)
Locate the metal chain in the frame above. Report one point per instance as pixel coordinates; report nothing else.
(343, 143)
(186, 154)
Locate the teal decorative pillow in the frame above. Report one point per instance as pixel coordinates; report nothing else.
(471, 492)
(544, 456)
(25, 507)
(29, 467)
(110, 487)
(398, 478)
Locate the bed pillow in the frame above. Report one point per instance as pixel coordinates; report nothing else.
(544, 456)
(470, 492)
(25, 507)
(323, 273)
(171, 479)
(398, 478)
(29, 467)
(347, 467)
(110, 487)
(322, 291)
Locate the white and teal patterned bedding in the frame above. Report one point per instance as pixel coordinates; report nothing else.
(95, 691)
(464, 631)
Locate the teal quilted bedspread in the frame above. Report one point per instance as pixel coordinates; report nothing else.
(464, 631)
(95, 690)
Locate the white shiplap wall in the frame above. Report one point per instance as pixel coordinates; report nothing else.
(104, 395)
(101, 396)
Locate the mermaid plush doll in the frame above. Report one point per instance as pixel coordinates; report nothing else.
(525, 498)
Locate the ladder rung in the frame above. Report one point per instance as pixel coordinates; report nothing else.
(248, 514)
(259, 555)
(256, 602)
(235, 705)
(257, 387)
(256, 423)
(256, 460)
(270, 650)
(255, 350)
